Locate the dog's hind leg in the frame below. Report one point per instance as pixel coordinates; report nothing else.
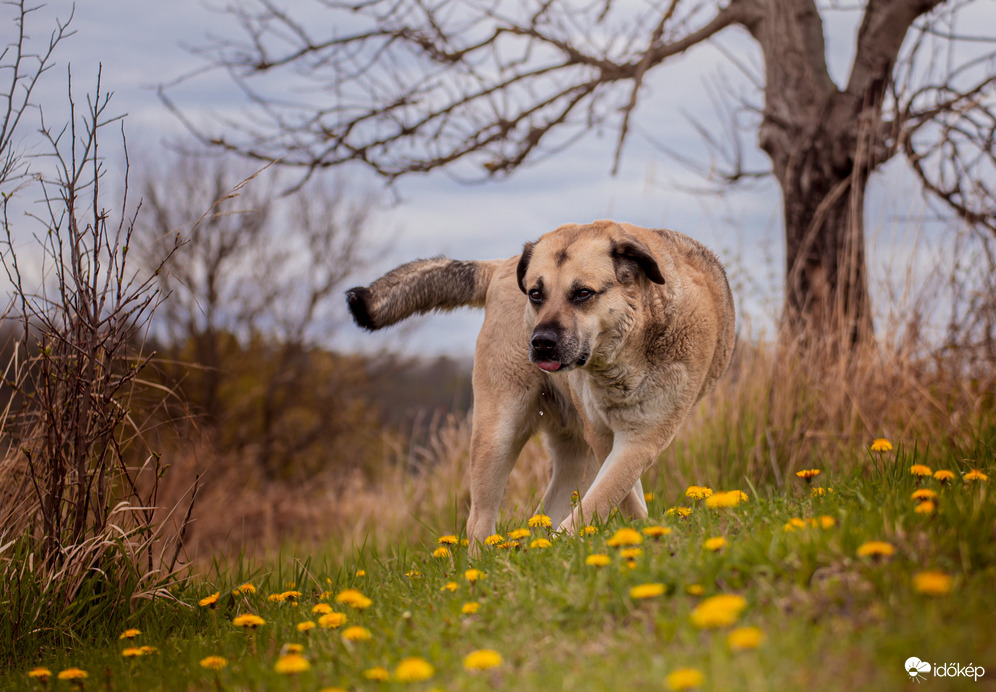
(635, 504)
(574, 470)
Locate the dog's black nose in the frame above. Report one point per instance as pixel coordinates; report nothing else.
(544, 341)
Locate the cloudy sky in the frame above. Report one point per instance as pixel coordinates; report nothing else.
(143, 44)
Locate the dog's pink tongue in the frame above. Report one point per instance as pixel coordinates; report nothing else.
(548, 365)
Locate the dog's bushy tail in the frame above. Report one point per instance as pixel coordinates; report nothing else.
(419, 287)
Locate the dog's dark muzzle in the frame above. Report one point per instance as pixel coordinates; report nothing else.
(550, 350)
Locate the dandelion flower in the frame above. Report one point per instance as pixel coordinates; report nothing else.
(630, 553)
(714, 544)
(519, 534)
(718, 611)
(411, 574)
(248, 620)
(214, 662)
(625, 536)
(275, 598)
(130, 634)
(474, 575)
(826, 522)
(482, 659)
(357, 634)
(944, 475)
(449, 539)
(441, 551)
(698, 492)
(361, 573)
(470, 608)
(42, 674)
(377, 673)
(353, 599)
(744, 638)
(321, 608)
(331, 621)
(291, 648)
(925, 507)
(681, 512)
(695, 589)
(876, 549)
(597, 560)
(413, 669)
(684, 679)
(305, 626)
(246, 588)
(290, 596)
(819, 491)
(450, 586)
(646, 591)
(73, 674)
(808, 474)
(540, 521)
(923, 494)
(291, 664)
(976, 475)
(932, 583)
(648, 497)
(920, 470)
(794, 523)
(540, 543)
(727, 499)
(210, 601)
(132, 652)
(655, 531)
(494, 539)
(589, 531)
(881, 445)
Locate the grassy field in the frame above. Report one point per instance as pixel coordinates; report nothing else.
(834, 582)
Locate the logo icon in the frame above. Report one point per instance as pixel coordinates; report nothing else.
(916, 668)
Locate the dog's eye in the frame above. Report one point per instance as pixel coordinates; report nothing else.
(582, 294)
(536, 296)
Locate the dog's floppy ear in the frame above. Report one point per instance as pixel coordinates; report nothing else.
(520, 270)
(631, 255)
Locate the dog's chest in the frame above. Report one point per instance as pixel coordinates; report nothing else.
(610, 402)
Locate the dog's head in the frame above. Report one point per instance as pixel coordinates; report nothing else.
(583, 285)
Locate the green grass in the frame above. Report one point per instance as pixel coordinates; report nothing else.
(830, 619)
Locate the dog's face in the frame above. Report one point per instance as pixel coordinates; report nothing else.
(582, 284)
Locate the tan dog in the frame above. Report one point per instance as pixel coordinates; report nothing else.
(604, 336)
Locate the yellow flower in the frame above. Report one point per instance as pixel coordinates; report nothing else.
(450, 586)
(976, 475)
(684, 679)
(291, 664)
(932, 583)
(132, 652)
(377, 673)
(923, 494)
(361, 573)
(291, 648)
(698, 492)
(714, 544)
(744, 638)
(589, 531)
(305, 626)
(695, 589)
(482, 659)
(794, 523)
(331, 621)
(494, 539)
(718, 611)
(648, 497)
(682, 512)
(356, 634)
(881, 445)
(876, 549)
(540, 521)
(411, 574)
(473, 575)
(413, 669)
(625, 536)
(597, 560)
(819, 491)
(925, 507)
(353, 599)
(275, 598)
(248, 620)
(42, 674)
(449, 539)
(441, 551)
(808, 474)
(519, 534)
(290, 596)
(214, 662)
(727, 499)
(656, 531)
(246, 588)
(73, 674)
(148, 650)
(211, 600)
(321, 608)
(540, 543)
(920, 470)
(944, 475)
(826, 522)
(130, 634)
(630, 553)
(646, 591)
(470, 608)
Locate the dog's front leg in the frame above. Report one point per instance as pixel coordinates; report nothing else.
(617, 482)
